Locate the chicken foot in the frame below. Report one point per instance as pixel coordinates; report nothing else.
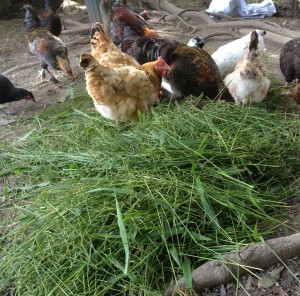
(42, 74)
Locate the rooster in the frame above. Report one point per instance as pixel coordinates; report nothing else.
(121, 93)
(106, 52)
(50, 20)
(122, 16)
(49, 49)
(249, 83)
(192, 70)
(290, 65)
(228, 55)
(10, 93)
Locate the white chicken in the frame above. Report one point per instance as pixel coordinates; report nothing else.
(228, 55)
(248, 83)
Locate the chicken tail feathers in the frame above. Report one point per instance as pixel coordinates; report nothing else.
(31, 20)
(97, 27)
(48, 5)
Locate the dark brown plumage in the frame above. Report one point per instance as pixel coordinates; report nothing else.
(192, 70)
(122, 16)
(50, 19)
(290, 64)
(49, 49)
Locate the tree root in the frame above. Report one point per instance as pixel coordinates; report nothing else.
(248, 258)
(184, 23)
(278, 33)
(20, 67)
(82, 29)
(255, 25)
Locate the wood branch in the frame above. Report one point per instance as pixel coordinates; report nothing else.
(253, 256)
(255, 25)
(20, 67)
(72, 22)
(85, 28)
(222, 33)
(275, 38)
(81, 41)
(224, 16)
(189, 26)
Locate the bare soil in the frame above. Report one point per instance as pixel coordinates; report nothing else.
(14, 53)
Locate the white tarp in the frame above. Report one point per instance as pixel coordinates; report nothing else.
(239, 8)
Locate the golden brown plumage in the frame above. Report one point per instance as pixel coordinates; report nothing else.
(120, 93)
(122, 16)
(105, 52)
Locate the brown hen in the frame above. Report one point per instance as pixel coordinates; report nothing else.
(121, 93)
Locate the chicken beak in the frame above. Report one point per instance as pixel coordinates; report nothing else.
(30, 98)
(70, 73)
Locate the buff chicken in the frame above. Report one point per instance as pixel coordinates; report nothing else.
(120, 93)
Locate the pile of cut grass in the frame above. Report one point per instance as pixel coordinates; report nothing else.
(123, 209)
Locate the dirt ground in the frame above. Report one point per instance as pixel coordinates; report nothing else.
(14, 54)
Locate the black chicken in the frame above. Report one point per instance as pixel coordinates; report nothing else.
(10, 93)
(192, 70)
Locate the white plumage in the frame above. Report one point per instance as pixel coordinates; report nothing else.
(228, 55)
(248, 83)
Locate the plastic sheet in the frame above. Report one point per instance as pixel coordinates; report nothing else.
(239, 8)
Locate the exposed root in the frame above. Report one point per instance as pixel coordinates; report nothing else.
(184, 23)
(20, 67)
(252, 257)
(83, 28)
(223, 16)
(223, 33)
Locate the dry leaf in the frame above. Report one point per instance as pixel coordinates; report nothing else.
(270, 278)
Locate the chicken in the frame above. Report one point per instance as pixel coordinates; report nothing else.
(122, 16)
(50, 20)
(228, 55)
(10, 93)
(105, 52)
(196, 41)
(192, 70)
(121, 93)
(249, 83)
(49, 49)
(290, 65)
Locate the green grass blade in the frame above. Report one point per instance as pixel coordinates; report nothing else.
(207, 207)
(123, 235)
